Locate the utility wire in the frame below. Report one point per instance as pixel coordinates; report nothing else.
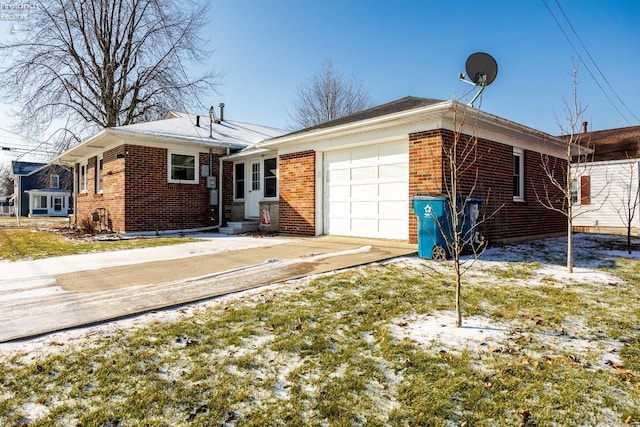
(584, 63)
(594, 62)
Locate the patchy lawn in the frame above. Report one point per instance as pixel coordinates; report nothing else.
(32, 241)
(372, 346)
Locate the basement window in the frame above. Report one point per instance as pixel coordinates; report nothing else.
(182, 168)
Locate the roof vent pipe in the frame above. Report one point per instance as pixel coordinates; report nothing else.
(211, 117)
(584, 127)
(198, 121)
(221, 105)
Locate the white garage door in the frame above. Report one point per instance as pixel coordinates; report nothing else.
(366, 191)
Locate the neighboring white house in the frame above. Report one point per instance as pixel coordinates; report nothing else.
(608, 186)
(604, 193)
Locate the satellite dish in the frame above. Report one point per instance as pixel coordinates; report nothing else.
(482, 69)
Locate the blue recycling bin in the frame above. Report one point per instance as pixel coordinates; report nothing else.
(434, 226)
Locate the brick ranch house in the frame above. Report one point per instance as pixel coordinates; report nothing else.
(355, 176)
(156, 176)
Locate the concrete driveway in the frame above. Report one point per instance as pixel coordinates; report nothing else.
(38, 297)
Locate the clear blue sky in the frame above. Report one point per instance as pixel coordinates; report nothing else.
(268, 48)
(417, 48)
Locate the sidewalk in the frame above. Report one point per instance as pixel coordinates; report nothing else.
(37, 297)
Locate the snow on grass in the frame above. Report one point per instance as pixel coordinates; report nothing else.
(514, 339)
(439, 329)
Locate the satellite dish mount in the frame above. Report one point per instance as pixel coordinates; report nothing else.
(482, 70)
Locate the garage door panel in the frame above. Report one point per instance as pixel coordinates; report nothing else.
(392, 191)
(394, 170)
(364, 209)
(339, 192)
(391, 210)
(338, 175)
(364, 156)
(393, 152)
(340, 210)
(338, 160)
(363, 173)
(366, 191)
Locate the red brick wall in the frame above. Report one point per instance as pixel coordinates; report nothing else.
(425, 170)
(138, 196)
(297, 193)
(112, 197)
(494, 183)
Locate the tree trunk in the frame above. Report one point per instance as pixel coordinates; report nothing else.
(570, 244)
(629, 237)
(458, 290)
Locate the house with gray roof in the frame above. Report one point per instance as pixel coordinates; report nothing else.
(159, 175)
(356, 176)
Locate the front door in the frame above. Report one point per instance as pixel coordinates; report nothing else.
(57, 204)
(255, 190)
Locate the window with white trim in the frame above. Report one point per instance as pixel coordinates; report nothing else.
(183, 168)
(518, 174)
(99, 167)
(54, 181)
(270, 177)
(82, 178)
(238, 181)
(40, 202)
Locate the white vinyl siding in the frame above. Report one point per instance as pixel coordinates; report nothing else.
(610, 183)
(366, 191)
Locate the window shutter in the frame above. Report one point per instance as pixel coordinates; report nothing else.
(585, 190)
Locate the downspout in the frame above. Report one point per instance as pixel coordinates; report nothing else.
(220, 191)
(216, 226)
(18, 199)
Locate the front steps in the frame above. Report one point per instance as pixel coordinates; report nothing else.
(240, 227)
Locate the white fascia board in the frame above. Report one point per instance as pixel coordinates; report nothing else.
(108, 139)
(390, 120)
(366, 136)
(257, 153)
(607, 162)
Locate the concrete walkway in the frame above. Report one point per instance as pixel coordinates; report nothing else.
(38, 297)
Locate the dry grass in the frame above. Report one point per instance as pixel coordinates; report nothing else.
(329, 353)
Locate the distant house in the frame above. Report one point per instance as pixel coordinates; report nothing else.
(40, 189)
(602, 192)
(157, 176)
(355, 176)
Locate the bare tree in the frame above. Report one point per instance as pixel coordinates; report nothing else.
(464, 212)
(628, 197)
(6, 182)
(89, 64)
(327, 96)
(558, 193)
